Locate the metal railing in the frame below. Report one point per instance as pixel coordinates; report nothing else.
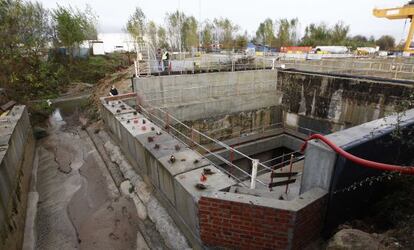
(193, 66)
(203, 145)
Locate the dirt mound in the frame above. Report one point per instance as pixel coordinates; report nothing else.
(121, 80)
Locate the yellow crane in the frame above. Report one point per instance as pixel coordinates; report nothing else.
(404, 12)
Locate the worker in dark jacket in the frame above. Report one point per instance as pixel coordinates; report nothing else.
(113, 91)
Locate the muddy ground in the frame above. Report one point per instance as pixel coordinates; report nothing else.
(81, 204)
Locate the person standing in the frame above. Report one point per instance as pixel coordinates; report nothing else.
(166, 60)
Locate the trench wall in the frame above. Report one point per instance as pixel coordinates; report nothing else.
(17, 151)
(175, 184)
(327, 104)
(229, 103)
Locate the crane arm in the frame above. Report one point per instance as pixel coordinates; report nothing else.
(404, 12)
(395, 13)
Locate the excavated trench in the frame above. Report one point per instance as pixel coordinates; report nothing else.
(81, 204)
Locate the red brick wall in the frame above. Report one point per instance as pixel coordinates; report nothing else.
(308, 223)
(247, 226)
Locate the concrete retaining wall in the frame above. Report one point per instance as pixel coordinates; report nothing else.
(16, 158)
(328, 104)
(191, 97)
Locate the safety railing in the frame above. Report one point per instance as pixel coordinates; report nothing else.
(194, 66)
(204, 143)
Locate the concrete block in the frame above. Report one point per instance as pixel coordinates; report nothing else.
(141, 150)
(187, 195)
(132, 125)
(118, 107)
(319, 165)
(186, 160)
(166, 147)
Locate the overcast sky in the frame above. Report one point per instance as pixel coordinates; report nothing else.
(248, 14)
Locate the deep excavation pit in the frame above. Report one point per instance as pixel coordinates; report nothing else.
(231, 119)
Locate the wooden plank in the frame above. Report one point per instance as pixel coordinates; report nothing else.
(281, 175)
(120, 97)
(281, 183)
(8, 105)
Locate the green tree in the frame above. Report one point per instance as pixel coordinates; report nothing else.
(265, 33)
(360, 41)
(339, 34)
(386, 42)
(162, 38)
(225, 32)
(152, 33)
(189, 33)
(207, 34)
(73, 26)
(174, 22)
(287, 32)
(136, 26)
(24, 33)
(241, 41)
(316, 34)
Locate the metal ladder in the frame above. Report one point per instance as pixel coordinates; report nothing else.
(143, 62)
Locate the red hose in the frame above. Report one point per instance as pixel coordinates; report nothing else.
(365, 163)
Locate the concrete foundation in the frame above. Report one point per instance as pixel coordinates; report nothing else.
(252, 111)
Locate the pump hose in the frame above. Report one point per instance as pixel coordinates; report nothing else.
(365, 163)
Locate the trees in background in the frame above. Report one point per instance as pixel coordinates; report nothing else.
(162, 38)
(186, 32)
(189, 31)
(282, 32)
(136, 27)
(225, 31)
(152, 30)
(287, 32)
(241, 41)
(386, 42)
(265, 33)
(73, 26)
(174, 23)
(207, 34)
(27, 32)
(316, 34)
